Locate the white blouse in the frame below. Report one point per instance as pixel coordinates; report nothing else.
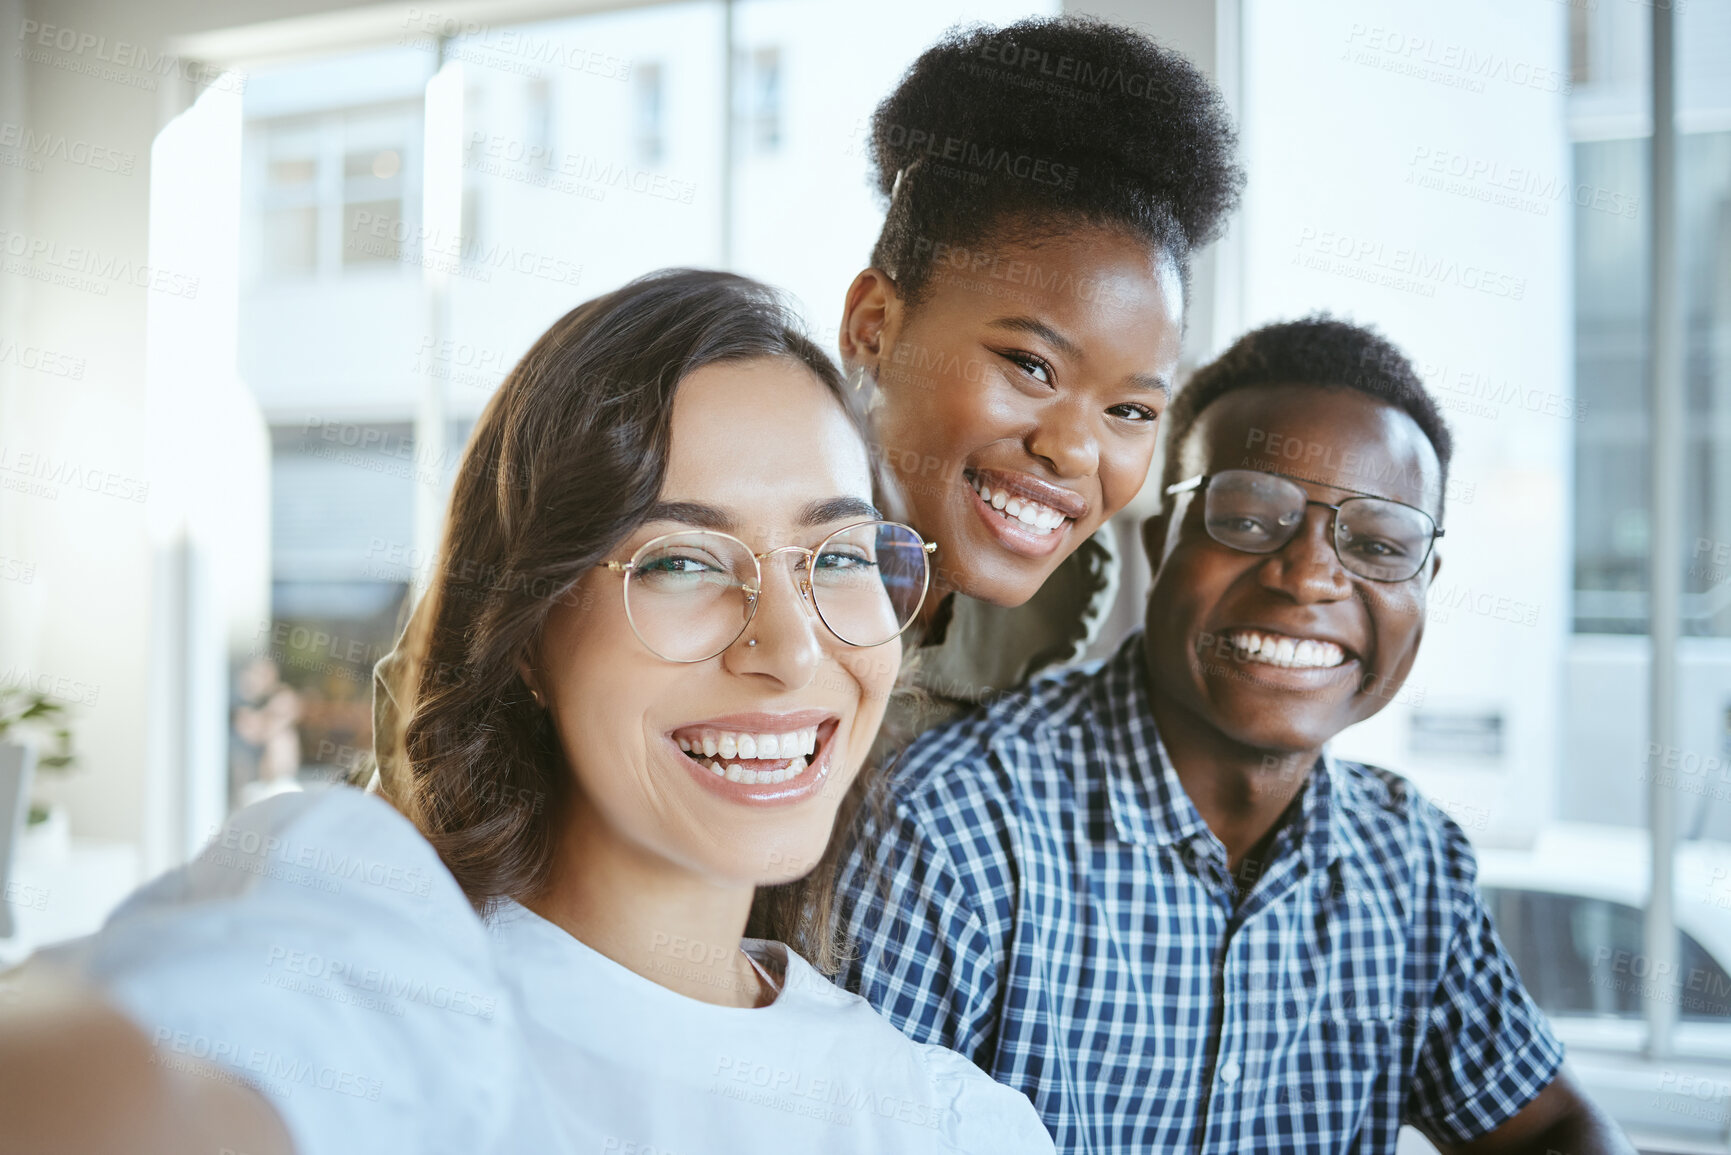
(318, 950)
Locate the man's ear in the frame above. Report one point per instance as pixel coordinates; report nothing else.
(867, 314)
(1154, 540)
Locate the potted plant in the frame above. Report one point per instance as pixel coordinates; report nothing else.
(30, 714)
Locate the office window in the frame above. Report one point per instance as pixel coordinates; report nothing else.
(374, 220)
(650, 104)
(1611, 347)
(763, 100)
(1580, 43)
(537, 112)
(290, 202)
(342, 560)
(337, 190)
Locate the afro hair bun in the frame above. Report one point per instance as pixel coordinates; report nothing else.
(1078, 111)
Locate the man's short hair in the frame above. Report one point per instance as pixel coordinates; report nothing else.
(1314, 350)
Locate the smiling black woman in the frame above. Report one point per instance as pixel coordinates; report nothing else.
(1017, 332)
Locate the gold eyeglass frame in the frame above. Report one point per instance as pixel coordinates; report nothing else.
(754, 591)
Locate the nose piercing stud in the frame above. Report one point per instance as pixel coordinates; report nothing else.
(751, 642)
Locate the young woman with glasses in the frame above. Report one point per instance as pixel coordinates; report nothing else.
(656, 649)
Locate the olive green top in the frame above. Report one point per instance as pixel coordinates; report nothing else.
(987, 649)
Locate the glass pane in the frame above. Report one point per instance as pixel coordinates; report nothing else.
(765, 101)
(649, 106)
(1611, 350)
(291, 238)
(372, 232)
(1579, 955)
(292, 172)
(1706, 990)
(379, 164)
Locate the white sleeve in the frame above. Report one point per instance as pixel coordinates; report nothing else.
(318, 950)
(985, 1117)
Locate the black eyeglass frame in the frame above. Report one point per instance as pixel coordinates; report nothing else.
(1199, 483)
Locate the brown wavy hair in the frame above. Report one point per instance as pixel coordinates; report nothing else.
(564, 465)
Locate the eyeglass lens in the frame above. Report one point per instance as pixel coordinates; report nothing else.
(688, 596)
(1260, 513)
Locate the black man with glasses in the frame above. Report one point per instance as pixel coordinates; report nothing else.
(1145, 893)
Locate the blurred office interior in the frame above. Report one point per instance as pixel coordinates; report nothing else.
(265, 261)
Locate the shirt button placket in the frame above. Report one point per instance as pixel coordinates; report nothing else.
(1222, 1131)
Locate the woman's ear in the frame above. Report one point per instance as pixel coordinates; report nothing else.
(868, 315)
(527, 673)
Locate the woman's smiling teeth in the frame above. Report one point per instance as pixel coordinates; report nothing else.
(724, 752)
(1042, 519)
(1280, 650)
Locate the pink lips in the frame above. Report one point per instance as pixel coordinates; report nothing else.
(1066, 501)
(804, 785)
(1013, 535)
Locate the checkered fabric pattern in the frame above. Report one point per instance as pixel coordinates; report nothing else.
(1039, 893)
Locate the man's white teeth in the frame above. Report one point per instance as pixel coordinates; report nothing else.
(729, 744)
(1294, 653)
(734, 772)
(1042, 519)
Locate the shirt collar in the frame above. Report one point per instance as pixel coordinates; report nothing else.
(1148, 802)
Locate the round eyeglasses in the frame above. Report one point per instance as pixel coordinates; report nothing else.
(1257, 512)
(690, 595)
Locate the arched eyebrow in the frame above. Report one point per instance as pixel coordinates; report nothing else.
(702, 515)
(838, 509)
(1035, 327)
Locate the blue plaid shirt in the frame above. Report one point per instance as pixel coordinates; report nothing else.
(1040, 894)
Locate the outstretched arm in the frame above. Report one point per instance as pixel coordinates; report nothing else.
(77, 1075)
